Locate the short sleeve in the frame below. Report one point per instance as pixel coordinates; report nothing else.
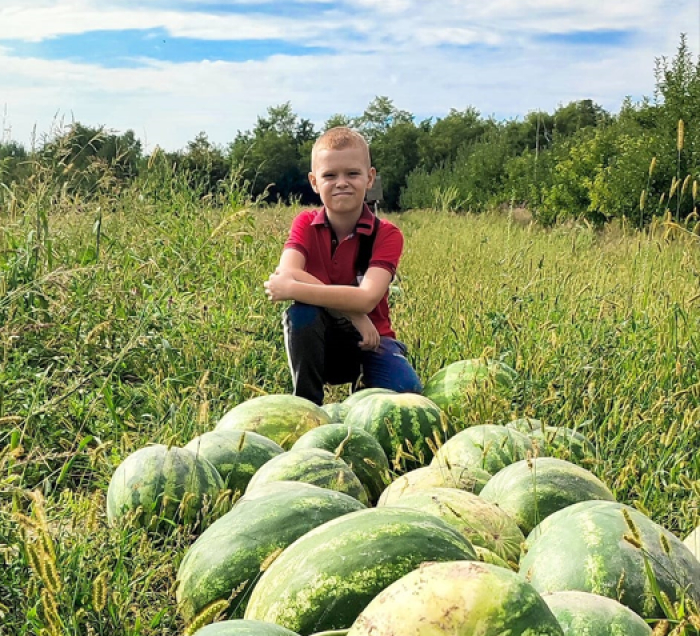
(299, 238)
(388, 247)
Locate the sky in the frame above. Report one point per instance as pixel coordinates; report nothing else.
(169, 70)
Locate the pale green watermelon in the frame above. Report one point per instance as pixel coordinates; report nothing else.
(601, 547)
(240, 627)
(692, 542)
(281, 418)
(459, 598)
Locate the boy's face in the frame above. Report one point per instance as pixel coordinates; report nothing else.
(341, 178)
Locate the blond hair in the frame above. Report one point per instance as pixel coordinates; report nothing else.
(339, 138)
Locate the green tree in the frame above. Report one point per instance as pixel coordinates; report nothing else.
(379, 116)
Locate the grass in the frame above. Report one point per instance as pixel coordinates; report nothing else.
(140, 318)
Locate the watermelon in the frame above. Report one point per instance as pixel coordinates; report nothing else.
(336, 411)
(531, 490)
(453, 386)
(604, 547)
(692, 542)
(357, 448)
(484, 555)
(585, 613)
(230, 554)
(525, 425)
(360, 395)
(327, 577)
(484, 524)
(236, 455)
(281, 418)
(407, 426)
(471, 480)
(242, 627)
(157, 487)
(458, 598)
(564, 443)
(486, 446)
(312, 466)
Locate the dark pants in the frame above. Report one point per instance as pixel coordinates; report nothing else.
(322, 348)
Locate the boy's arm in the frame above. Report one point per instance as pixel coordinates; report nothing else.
(291, 282)
(283, 285)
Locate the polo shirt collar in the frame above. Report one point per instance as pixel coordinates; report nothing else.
(364, 224)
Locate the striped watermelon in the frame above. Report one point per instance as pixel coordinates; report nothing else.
(486, 446)
(484, 524)
(484, 555)
(459, 598)
(242, 627)
(531, 490)
(312, 466)
(327, 577)
(156, 487)
(236, 455)
(407, 426)
(230, 554)
(470, 480)
(584, 613)
(281, 418)
(357, 448)
(600, 547)
(453, 386)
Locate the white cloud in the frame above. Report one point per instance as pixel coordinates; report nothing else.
(404, 49)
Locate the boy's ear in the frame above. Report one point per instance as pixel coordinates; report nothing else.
(372, 176)
(312, 181)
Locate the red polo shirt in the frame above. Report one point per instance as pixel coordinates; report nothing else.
(311, 234)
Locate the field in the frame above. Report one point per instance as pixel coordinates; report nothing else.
(144, 320)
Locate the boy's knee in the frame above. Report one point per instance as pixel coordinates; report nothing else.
(299, 315)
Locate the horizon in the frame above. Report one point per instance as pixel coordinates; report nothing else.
(171, 70)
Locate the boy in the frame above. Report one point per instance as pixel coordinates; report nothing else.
(338, 326)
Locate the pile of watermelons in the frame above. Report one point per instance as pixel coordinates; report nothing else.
(382, 515)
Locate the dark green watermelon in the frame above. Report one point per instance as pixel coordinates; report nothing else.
(593, 615)
(531, 490)
(407, 425)
(157, 487)
(358, 448)
(327, 577)
(236, 455)
(360, 395)
(231, 554)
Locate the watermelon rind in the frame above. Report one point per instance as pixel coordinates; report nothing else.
(692, 542)
(469, 479)
(336, 411)
(230, 554)
(312, 466)
(279, 417)
(457, 598)
(360, 395)
(236, 455)
(327, 577)
(593, 615)
(530, 490)
(484, 524)
(158, 487)
(357, 448)
(484, 446)
(242, 627)
(605, 547)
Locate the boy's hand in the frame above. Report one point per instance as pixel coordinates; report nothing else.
(370, 335)
(279, 286)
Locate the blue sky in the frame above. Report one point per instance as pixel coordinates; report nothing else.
(170, 69)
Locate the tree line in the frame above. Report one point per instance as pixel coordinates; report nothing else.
(579, 161)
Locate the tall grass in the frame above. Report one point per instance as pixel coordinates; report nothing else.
(140, 317)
